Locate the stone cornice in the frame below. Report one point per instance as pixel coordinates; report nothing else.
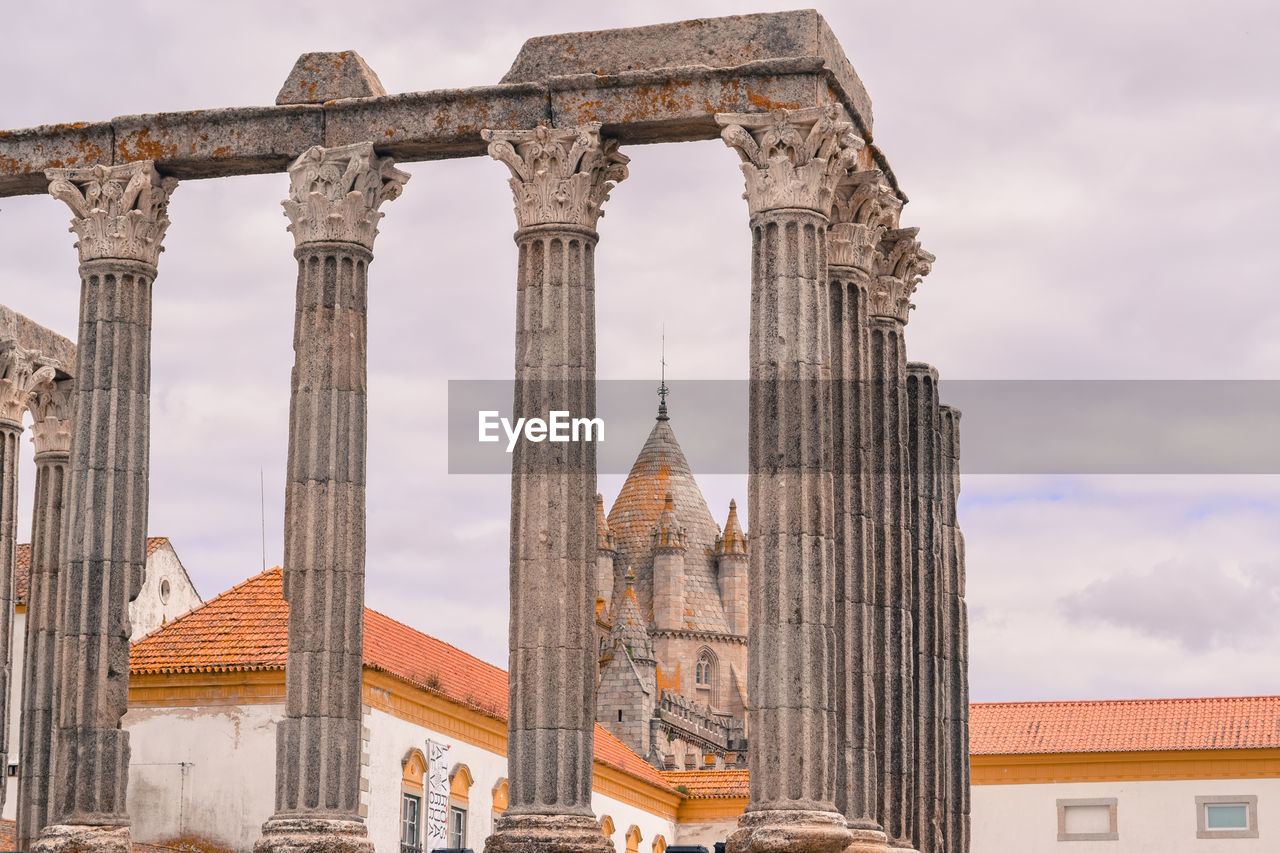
(52, 404)
(863, 208)
(118, 212)
(900, 265)
(791, 158)
(559, 176)
(335, 193)
(679, 633)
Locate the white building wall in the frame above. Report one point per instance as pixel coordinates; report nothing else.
(705, 834)
(391, 738)
(151, 609)
(18, 648)
(1151, 817)
(205, 771)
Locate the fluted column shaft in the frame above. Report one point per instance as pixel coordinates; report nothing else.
(52, 437)
(10, 435)
(955, 644)
(560, 178)
(333, 209)
(925, 466)
(891, 547)
(120, 217)
(550, 734)
(791, 163)
(856, 773)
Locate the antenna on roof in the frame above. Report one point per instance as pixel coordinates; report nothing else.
(663, 390)
(262, 507)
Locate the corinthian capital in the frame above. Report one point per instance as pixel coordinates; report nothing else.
(559, 176)
(51, 402)
(791, 158)
(335, 193)
(900, 265)
(119, 212)
(863, 208)
(21, 371)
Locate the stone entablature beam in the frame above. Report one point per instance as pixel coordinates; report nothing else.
(657, 85)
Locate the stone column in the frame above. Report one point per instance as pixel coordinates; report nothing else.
(50, 407)
(900, 263)
(560, 178)
(19, 370)
(955, 645)
(863, 207)
(334, 196)
(791, 161)
(924, 503)
(120, 214)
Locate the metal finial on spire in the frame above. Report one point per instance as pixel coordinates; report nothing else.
(663, 390)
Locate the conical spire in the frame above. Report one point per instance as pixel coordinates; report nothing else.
(733, 541)
(668, 533)
(605, 540)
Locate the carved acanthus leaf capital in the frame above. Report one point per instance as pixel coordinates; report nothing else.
(863, 208)
(21, 372)
(791, 158)
(335, 193)
(52, 404)
(119, 212)
(559, 176)
(900, 265)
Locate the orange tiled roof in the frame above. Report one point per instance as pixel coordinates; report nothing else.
(1130, 725)
(22, 573)
(710, 784)
(247, 628)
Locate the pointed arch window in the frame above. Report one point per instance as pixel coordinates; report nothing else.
(705, 670)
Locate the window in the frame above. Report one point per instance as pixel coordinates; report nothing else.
(164, 591)
(1088, 820)
(410, 823)
(1227, 817)
(457, 827)
(702, 672)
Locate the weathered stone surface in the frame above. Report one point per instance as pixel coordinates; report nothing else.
(335, 193)
(51, 411)
(119, 216)
(329, 76)
(789, 831)
(900, 264)
(333, 208)
(534, 833)
(711, 42)
(790, 160)
(78, 838)
(312, 835)
(213, 143)
(924, 499)
(955, 638)
(553, 525)
(54, 348)
(674, 99)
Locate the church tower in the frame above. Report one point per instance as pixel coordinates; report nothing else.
(690, 592)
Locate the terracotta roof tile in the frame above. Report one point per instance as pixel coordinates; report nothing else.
(710, 784)
(22, 572)
(1131, 725)
(247, 627)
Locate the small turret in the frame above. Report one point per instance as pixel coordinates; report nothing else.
(606, 552)
(731, 565)
(668, 570)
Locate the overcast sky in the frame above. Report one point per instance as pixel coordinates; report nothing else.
(1097, 179)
